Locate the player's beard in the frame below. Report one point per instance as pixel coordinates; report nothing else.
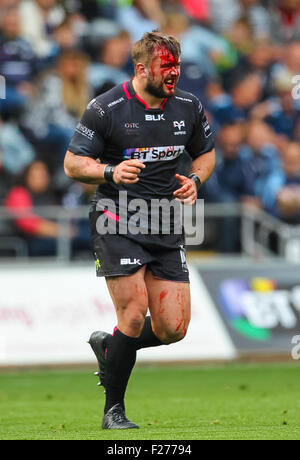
(156, 90)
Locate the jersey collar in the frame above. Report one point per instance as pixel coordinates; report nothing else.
(131, 94)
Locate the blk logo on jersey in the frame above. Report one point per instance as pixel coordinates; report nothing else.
(155, 117)
(149, 154)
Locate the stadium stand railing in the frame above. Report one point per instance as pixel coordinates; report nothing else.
(256, 230)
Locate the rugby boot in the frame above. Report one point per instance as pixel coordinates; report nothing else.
(115, 419)
(98, 344)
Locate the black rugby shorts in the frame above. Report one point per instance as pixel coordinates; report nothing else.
(124, 255)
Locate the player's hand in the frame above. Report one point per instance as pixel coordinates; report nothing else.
(127, 172)
(187, 193)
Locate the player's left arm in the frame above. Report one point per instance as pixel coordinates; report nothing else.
(203, 168)
(204, 165)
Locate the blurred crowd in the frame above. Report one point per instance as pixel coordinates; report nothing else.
(240, 57)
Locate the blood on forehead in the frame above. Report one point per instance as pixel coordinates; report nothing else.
(166, 58)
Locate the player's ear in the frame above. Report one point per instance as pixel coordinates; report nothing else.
(141, 70)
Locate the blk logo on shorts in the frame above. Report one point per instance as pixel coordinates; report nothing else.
(130, 262)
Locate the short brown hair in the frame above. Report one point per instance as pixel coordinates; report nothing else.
(144, 48)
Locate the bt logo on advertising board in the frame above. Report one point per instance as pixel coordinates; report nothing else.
(256, 307)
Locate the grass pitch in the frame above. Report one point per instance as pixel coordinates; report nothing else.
(220, 402)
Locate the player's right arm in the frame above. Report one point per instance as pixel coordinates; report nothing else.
(83, 169)
(86, 169)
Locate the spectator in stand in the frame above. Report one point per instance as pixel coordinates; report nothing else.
(64, 37)
(197, 9)
(260, 153)
(199, 45)
(289, 64)
(240, 37)
(258, 61)
(224, 15)
(113, 58)
(245, 92)
(39, 232)
(281, 112)
(281, 196)
(297, 132)
(5, 182)
(15, 154)
(17, 62)
(90, 9)
(140, 17)
(104, 8)
(230, 182)
(63, 95)
(15, 151)
(39, 20)
(8, 3)
(231, 171)
(285, 21)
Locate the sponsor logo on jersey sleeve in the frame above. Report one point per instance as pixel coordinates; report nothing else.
(150, 154)
(206, 128)
(97, 107)
(85, 131)
(113, 103)
(183, 99)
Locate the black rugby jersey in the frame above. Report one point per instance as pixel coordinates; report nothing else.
(118, 126)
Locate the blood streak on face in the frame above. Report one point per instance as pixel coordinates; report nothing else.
(165, 72)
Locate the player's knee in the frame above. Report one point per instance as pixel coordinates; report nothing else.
(134, 317)
(136, 321)
(173, 334)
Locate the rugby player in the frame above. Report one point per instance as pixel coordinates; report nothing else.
(130, 140)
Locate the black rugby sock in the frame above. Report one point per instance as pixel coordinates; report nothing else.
(147, 338)
(120, 360)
